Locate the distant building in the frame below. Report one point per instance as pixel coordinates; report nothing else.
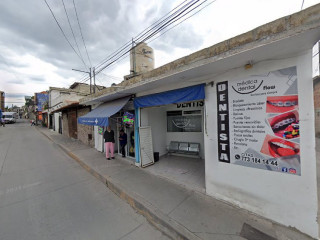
(2, 98)
(41, 104)
(85, 88)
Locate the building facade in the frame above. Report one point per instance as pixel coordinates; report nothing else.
(248, 103)
(2, 100)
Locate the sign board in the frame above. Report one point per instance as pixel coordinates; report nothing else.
(258, 121)
(146, 147)
(128, 118)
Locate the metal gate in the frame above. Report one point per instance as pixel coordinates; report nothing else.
(146, 147)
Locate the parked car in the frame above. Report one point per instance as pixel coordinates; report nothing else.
(9, 117)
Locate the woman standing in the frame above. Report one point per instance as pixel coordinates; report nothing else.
(109, 142)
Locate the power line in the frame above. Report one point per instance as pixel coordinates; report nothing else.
(175, 17)
(171, 17)
(125, 48)
(154, 29)
(74, 37)
(75, 9)
(170, 21)
(128, 44)
(64, 33)
(182, 21)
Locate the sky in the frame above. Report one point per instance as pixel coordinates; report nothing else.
(34, 55)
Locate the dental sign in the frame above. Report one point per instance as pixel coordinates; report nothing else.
(258, 121)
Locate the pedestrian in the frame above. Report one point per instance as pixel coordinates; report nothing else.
(109, 142)
(2, 122)
(1, 119)
(123, 142)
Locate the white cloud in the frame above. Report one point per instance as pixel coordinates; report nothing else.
(35, 55)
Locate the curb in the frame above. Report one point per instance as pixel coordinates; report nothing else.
(162, 222)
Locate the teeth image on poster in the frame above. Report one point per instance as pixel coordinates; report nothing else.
(258, 121)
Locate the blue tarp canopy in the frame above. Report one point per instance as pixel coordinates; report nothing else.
(181, 95)
(100, 115)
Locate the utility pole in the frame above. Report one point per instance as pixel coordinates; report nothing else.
(133, 57)
(89, 76)
(94, 79)
(90, 81)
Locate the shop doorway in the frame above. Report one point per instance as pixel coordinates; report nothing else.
(129, 131)
(178, 138)
(72, 124)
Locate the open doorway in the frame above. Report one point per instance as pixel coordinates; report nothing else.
(178, 138)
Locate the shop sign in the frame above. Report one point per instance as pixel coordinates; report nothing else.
(258, 122)
(128, 118)
(190, 104)
(100, 130)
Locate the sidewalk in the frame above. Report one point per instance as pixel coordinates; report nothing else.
(174, 210)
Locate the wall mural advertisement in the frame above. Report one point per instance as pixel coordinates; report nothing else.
(258, 121)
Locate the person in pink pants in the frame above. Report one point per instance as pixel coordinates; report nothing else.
(109, 142)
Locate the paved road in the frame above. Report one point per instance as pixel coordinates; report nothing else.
(44, 194)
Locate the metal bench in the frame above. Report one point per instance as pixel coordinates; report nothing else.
(188, 148)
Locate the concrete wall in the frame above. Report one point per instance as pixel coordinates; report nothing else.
(156, 117)
(85, 130)
(288, 199)
(57, 98)
(196, 137)
(56, 122)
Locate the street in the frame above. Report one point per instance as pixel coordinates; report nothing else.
(44, 194)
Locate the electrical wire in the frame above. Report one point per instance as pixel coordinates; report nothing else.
(143, 34)
(175, 13)
(74, 37)
(112, 77)
(173, 20)
(165, 25)
(129, 43)
(182, 21)
(63, 32)
(153, 31)
(75, 9)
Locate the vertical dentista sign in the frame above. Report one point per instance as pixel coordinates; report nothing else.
(258, 121)
(223, 122)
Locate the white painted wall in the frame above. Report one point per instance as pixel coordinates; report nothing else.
(156, 118)
(59, 97)
(196, 137)
(56, 121)
(288, 199)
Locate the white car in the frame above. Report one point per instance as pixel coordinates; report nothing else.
(9, 117)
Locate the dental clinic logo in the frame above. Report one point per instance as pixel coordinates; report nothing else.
(181, 122)
(247, 86)
(96, 121)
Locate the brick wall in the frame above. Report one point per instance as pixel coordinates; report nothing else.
(85, 130)
(65, 126)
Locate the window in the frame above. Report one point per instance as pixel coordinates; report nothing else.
(184, 121)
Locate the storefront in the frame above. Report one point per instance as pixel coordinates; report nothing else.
(170, 123)
(119, 115)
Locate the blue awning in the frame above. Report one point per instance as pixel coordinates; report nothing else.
(100, 115)
(181, 95)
